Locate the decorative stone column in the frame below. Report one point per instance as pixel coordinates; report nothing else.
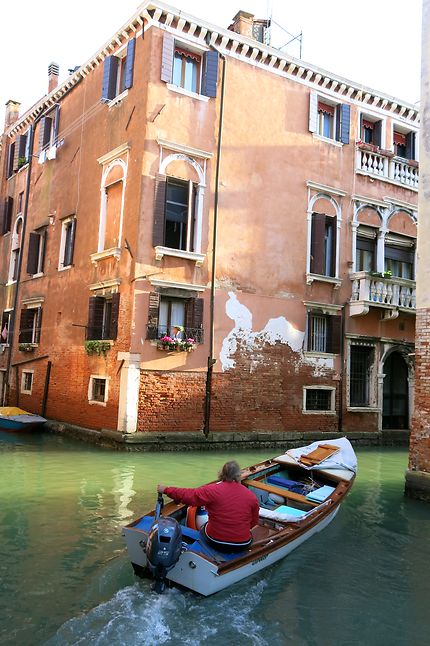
(418, 473)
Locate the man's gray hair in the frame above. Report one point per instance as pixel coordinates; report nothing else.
(230, 472)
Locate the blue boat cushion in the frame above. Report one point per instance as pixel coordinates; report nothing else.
(200, 547)
(292, 511)
(291, 485)
(319, 495)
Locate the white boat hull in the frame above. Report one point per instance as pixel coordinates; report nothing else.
(202, 576)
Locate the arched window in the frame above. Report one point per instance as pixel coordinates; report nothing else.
(112, 205)
(15, 250)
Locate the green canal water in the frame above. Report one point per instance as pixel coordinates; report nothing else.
(65, 577)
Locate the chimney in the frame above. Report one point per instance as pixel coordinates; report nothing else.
(243, 23)
(53, 72)
(12, 113)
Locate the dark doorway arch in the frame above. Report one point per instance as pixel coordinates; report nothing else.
(395, 410)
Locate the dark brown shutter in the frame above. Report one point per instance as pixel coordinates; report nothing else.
(56, 124)
(20, 152)
(410, 145)
(194, 319)
(95, 318)
(15, 156)
(334, 332)
(10, 159)
(377, 133)
(33, 252)
(159, 210)
(45, 132)
(129, 64)
(38, 326)
(6, 219)
(154, 306)
(317, 243)
(167, 58)
(3, 207)
(26, 326)
(43, 241)
(68, 252)
(113, 328)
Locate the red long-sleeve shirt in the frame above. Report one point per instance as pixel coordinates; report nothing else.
(232, 508)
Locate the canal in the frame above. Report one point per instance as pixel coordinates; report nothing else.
(65, 577)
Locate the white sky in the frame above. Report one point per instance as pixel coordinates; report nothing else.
(372, 42)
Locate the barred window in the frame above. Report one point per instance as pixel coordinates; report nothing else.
(361, 362)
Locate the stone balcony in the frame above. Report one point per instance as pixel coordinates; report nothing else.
(385, 166)
(391, 294)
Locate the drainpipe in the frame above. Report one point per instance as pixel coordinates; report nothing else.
(211, 359)
(6, 388)
(342, 370)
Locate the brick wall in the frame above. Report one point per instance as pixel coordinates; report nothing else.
(263, 396)
(419, 454)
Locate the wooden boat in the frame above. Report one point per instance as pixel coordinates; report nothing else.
(16, 419)
(299, 493)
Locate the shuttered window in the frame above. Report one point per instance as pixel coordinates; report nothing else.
(324, 333)
(36, 252)
(10, 160)
(103, 314)
(371, 131)
(190, 70)
(167, 312)
(174, 213)
(30, 325)
(329, 120)
(118, 72)
(6, 216)
(323, 245)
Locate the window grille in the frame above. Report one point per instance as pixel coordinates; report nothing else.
(360, 368)
(317, 341)
(318, 399)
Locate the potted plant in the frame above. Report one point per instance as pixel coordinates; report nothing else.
(97, 347)
(21, 162)
(26, 347)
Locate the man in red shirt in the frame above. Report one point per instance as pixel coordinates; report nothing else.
(232, 509)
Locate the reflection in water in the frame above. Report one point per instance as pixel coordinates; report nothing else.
(65, 577)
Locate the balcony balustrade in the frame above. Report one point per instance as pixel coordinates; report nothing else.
(383, 164)
(392, 294)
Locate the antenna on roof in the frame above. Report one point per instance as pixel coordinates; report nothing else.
(284, 32)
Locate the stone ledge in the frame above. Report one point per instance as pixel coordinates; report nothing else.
(417, 485)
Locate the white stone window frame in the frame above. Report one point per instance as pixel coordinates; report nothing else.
(327, 193)
(15, 250)
(23, 389)
(195, 49)
(315, 98)
(64, 222)
(170, 152)
(108, 162)
(41, 253)
(33, 304)
(331, 411)
(90, 390)
(373, 406)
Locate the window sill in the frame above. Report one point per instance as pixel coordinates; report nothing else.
(198, 258)
(318, 412)
(10, 282)
(336, 282)
(363, 409)
(322, 355)
(61, 268)
(95, 403)
(192, 95)
(327, 140)
(38, 275)
(117, 99)
(107, 253)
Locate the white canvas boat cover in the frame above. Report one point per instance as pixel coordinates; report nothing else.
(345, 459)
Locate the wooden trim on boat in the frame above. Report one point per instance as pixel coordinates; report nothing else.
(279, 492)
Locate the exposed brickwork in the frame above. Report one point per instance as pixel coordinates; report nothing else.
(419, 455)
(263, 397)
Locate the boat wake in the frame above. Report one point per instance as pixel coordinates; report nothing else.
(136, 615)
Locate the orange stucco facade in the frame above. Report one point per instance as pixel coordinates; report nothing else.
(303, 326)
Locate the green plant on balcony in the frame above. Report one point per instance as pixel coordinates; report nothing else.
(26, 347)
(21, 162)
(97, 347)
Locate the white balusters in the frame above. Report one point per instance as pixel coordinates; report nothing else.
(381, 291)
(380, 165)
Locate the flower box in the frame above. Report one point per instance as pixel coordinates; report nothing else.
(168, 344)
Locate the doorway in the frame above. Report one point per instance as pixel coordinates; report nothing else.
(395, 410)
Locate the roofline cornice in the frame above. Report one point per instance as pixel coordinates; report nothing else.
(156, 13)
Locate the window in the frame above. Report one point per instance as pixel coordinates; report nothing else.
(10, 160)
(404, 143)
(36, 252)
(361, 363)
(323, 245)
(20, 201)
(67, 243)
(15, 251)
(371, 130)
(5, 327)
(399, 261)
(186, 70)
(174, 213)
(30, 325)
(27, 382)
(103, 317)
(365, 255)
(166, 312)
(98, 390)
(118, 72)
(323, 333)
(328, 119)
(48, 134)
(319, 399)
(6, 216)
(193, 71)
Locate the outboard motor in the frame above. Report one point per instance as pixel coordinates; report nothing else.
(163, 547)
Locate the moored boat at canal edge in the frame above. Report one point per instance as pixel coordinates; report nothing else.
(299, 494)
(17, 419)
